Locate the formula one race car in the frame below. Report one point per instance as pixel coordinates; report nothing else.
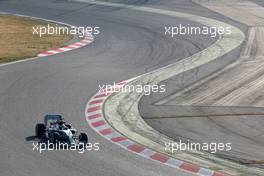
(55, 129)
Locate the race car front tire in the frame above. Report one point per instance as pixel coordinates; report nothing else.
(83, 138)
(54, 137)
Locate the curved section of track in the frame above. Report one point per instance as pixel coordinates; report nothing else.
(62, 83)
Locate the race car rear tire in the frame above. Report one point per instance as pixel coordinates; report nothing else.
(83, 138)
(40, 129)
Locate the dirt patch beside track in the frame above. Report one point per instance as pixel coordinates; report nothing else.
(18, 42)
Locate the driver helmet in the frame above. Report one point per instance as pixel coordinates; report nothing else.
(61, 121)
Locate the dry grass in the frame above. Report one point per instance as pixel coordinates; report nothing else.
(18, 42)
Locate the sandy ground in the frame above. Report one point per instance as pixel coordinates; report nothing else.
(18, 42)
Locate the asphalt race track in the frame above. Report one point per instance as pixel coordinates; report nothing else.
(130, 43)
